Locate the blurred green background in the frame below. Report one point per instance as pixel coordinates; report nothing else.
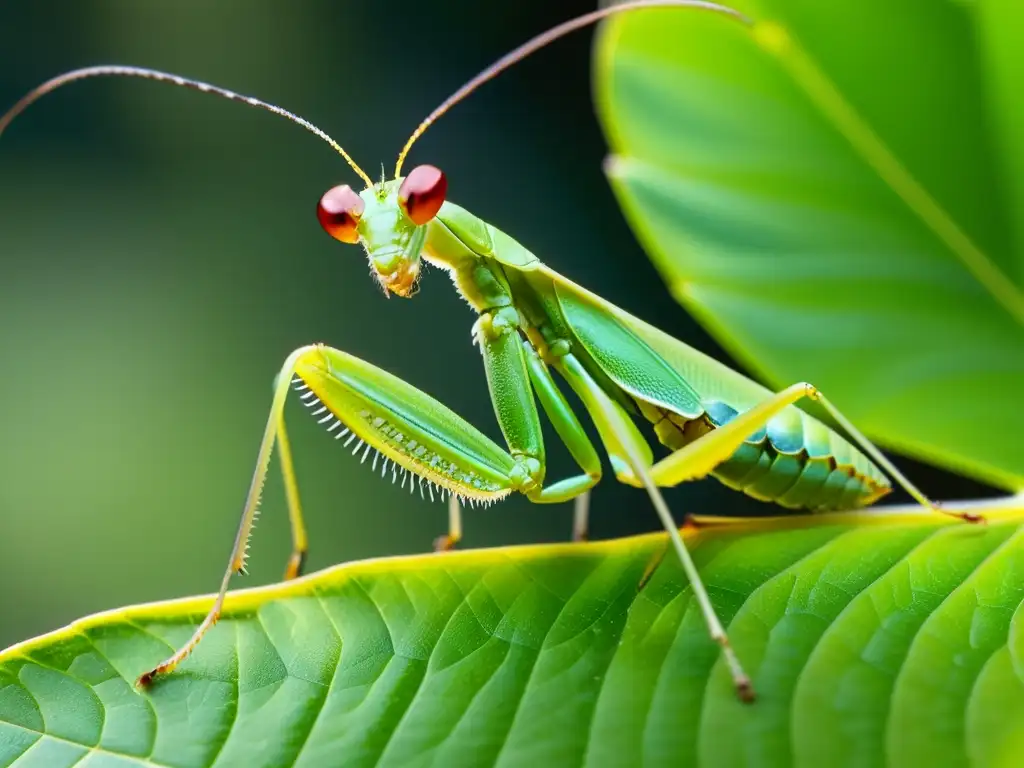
(159, 257)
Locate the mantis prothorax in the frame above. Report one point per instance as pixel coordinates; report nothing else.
(533, 323)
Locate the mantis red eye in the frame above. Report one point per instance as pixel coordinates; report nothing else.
(422, 193)
(339, 211)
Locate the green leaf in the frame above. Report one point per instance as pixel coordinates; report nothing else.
(871, 638)
(838, 195)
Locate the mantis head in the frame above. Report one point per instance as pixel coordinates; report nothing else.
(389, 220)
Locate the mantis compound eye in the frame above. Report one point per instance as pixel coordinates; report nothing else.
(422, 193)
(339, 211)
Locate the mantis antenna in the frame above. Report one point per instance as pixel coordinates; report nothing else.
(536, 43)
(165, 77)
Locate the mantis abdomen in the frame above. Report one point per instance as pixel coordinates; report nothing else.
(795, 462)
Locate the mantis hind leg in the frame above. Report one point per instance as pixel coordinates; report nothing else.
(702, 455)
(632, 455)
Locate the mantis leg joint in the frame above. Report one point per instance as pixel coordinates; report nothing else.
(527, 474)
(559, 348)
(296, 563)
(495, 323)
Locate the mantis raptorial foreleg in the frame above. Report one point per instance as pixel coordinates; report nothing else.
(571, 432)
(701, 456)
(514, 372)
(425, 439)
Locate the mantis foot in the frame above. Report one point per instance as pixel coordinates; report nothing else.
(445, 543)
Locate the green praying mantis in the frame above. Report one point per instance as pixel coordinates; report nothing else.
(533, 323)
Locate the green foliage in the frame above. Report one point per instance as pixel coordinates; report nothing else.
(839, 197)
(552, 655)
(836, 198)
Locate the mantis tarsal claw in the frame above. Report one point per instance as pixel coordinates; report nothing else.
(454, 535)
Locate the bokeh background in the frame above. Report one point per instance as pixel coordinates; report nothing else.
(159, 258)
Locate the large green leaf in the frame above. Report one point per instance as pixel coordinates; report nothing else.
(885, 640)
(839, 196)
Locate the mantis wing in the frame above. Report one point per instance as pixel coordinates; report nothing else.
(647, 362)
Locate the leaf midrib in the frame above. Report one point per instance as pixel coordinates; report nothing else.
(810, 77)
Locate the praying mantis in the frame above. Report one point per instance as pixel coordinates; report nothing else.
(533, 323)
